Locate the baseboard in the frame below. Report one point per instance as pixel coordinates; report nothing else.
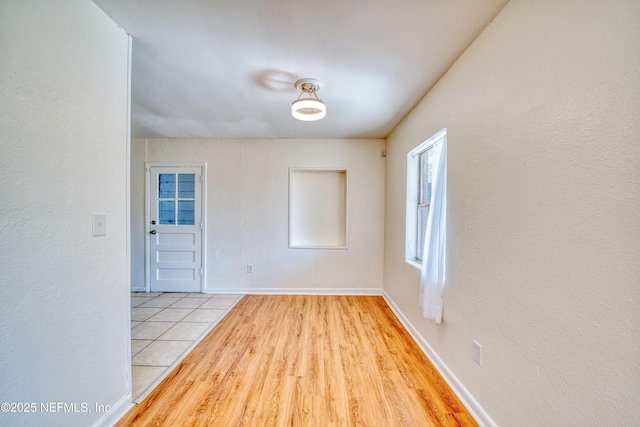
(297, 291)
(111, 417)
(467, 399)
(287, 291)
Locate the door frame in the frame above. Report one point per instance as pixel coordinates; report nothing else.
(147, 217)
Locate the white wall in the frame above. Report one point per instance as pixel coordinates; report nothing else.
(63, 136)
(543, 119)
(247, 213)
(137, 214)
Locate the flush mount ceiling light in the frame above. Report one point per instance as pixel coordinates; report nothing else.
(309, 108)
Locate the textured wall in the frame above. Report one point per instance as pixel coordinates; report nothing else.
(247, 213)
(137, 214)
(63, 137)
(543, 126)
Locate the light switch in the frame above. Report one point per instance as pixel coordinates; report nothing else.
(99, 225)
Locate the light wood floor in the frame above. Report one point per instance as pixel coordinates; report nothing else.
(304, 361)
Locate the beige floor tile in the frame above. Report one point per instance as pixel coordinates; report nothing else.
(175, 294)
(204, 315)
(143, 313)
(160, 353)
(138, 301)
(198, 295)
(143, 376)
(160, 302)
(218, 303)
(135, 323)
(150, 330)
(185, 331)
(189, 303)
(138, 345)
(171, 315)
(228, 296)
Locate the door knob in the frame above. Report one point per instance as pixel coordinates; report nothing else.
(152, 232)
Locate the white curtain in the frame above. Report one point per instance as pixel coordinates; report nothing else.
(432, 275)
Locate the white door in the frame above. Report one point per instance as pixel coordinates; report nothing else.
(174, 227)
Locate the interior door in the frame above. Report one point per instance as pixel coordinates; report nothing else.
(174, 250)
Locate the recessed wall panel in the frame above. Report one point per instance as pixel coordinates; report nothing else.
(317, 208)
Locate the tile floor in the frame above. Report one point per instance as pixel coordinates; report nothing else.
(165, 326)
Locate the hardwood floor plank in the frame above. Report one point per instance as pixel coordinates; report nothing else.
(304, 361)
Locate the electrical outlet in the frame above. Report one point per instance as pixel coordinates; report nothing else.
(99, 224)
(477, 352)
(249, 268)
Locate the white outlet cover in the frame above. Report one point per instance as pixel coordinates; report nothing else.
(477, 352)
(99, 224)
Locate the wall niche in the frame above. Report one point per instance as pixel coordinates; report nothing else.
(317, 208)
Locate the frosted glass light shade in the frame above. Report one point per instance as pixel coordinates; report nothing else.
(308, 109)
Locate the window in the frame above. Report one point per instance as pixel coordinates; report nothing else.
(176, 207)
(420, 175)
(425, 181)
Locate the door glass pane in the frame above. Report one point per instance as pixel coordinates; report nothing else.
(166, 212)
(186, 213)
(166, 186)
(186, 186)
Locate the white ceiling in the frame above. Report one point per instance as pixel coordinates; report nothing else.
(226, 68)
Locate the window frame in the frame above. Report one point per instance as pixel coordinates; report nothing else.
(412, 239)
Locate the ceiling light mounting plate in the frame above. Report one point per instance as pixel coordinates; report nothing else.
(308, 85)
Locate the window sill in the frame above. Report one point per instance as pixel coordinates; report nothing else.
(342, 248)
(415, 263)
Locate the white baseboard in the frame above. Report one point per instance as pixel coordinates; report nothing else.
(287, 291)
(297, 291)
(111, 417)
(467, 399)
